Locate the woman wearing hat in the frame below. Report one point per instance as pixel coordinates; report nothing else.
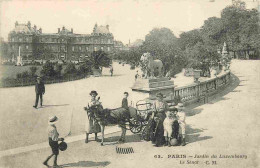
(182, 124)
(53, 140)
(160, 107)
(91, 125)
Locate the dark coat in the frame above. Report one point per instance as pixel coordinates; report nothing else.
(124, 103)
(39, 88)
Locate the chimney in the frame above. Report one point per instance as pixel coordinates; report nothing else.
(63, 28)
(58, 30)
(71, 30)
(16, 23)
(35, 27)
(40, 30)
(107, 26)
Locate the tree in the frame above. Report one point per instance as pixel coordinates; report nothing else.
(160, 42)
(58, 69)
(242, 29)
(70, 69)
(48, 69)
(99, 59)
(84, 68)
(189, 39)
(33, 71)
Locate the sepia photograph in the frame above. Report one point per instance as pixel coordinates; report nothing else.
(129, 83)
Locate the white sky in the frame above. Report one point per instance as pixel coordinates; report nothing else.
(127, 19)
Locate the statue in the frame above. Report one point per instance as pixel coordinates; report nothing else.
(150, 66)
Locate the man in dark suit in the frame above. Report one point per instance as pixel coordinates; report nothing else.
(39, 90)
(125, 101)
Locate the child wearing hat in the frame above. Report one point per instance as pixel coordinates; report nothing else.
(53, 140)
(181, 119)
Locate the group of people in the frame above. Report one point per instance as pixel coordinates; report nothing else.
(166, 121)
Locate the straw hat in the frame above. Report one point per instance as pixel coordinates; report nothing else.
(93, 92)
(53, 120)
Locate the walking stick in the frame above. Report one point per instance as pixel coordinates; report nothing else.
(70, 123)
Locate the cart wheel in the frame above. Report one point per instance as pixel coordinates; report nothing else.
(135, 126)
(144, 134)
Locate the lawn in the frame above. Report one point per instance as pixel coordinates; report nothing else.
(11, 70)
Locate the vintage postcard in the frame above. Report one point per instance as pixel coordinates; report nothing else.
(129, 83)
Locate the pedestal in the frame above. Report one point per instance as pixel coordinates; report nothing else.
(148, 88)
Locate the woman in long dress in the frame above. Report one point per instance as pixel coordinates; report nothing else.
(160, 107)
(91, 125)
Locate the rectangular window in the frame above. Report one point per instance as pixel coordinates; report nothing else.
(87, 48)
(102, 48)
(72, 48)
(95, 48)
(79, 48)
(27, 47)
(20, 39)
(108, 48)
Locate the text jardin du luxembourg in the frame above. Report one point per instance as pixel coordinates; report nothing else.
(199, 156)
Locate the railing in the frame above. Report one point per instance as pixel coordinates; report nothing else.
(195, 92)
(31, 81)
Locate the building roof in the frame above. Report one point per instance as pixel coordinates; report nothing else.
(65, 31)
(25, 28)
(101, 29)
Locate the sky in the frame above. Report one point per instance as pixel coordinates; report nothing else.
(127, 19)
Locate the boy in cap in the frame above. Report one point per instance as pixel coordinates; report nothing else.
(181, 119)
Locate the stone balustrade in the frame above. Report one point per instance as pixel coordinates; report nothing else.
(196, 91)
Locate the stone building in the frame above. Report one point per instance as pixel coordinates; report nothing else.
(65, 44)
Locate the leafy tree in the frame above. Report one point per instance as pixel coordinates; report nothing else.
(99, 59)
(25, 74)
(84, 68)
(70, 69)
(48, 69)
(33, 71)
(189, 39)
(58, 69)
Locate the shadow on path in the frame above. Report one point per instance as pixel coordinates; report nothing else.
(193, 134)
(128, 139)
(86, 164)
(111, 76)
(44, 106)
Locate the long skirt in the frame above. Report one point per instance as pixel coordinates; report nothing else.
(158, 138)
(91, 125)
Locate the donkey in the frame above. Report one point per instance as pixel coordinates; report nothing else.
(117, 116)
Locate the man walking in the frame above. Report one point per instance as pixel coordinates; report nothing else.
(39, 90)
(111, 70)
